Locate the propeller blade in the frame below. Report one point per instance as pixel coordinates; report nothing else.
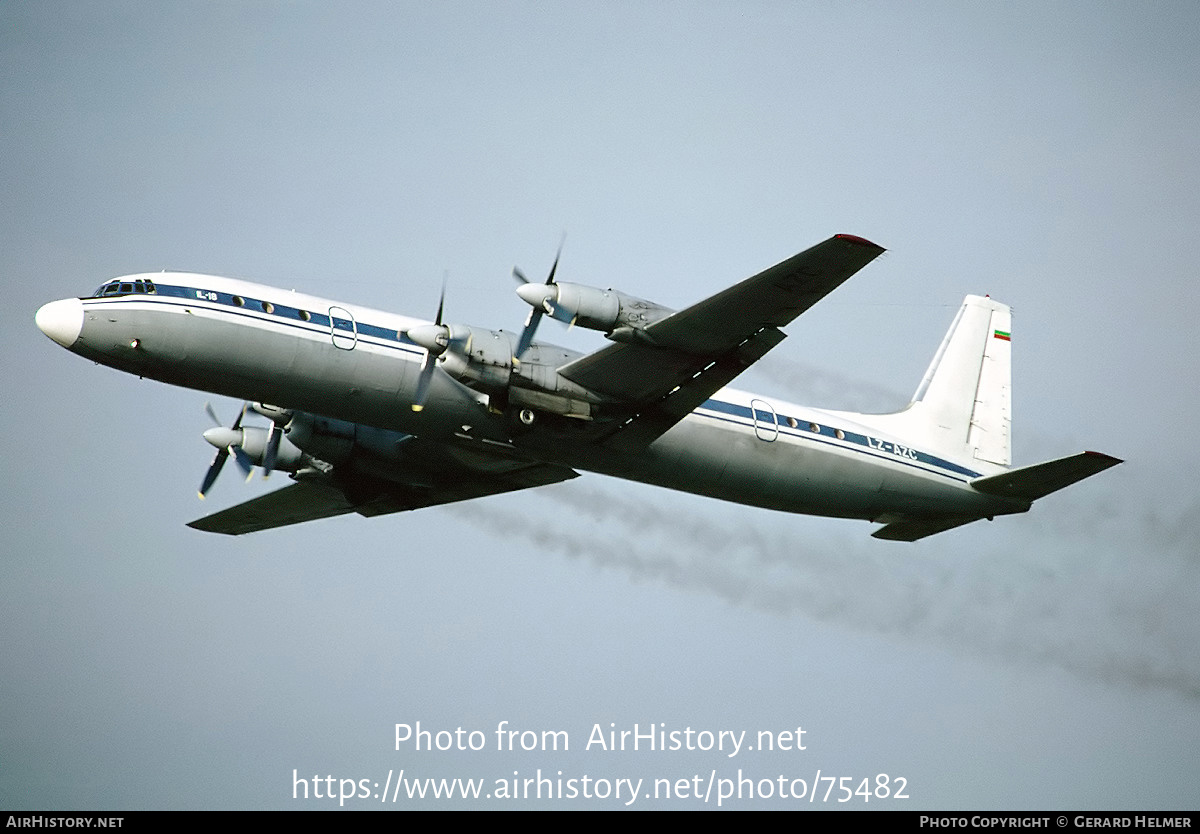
(230, 438)
(214, 469)
(531, 323)
(554, 266)
(531, 297)
(423, 382)
(435, 344)
(274, 433)
(243, 461)
(441, 302)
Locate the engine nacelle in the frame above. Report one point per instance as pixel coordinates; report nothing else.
(336, 441)
(254, 443)
(593, 308)
(322, 437)
(481, 359)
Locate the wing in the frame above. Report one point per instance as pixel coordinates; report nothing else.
(307, 500)
(302, 501)
(689, 355)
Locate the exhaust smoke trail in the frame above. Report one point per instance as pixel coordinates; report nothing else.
(812, 385)
(1045, 603)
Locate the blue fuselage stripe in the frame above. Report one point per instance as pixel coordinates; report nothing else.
(319, 324)
(849, 440)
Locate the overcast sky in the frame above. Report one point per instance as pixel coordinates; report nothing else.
(1045, 154)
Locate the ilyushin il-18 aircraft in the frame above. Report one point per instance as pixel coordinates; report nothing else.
(375, 413)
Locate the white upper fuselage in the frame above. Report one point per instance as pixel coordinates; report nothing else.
(354, 363)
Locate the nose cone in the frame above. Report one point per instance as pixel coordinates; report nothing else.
(536, 295)
(62, 320)
(223, 438)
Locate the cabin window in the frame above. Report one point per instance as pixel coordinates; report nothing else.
(268, 307)
(814, 427)
(304, 315)
(841, 435)
(238, 301)
(793, 422)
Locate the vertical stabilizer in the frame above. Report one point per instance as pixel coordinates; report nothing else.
(963, 406)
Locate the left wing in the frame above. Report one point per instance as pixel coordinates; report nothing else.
(308, 499)
(681, 360)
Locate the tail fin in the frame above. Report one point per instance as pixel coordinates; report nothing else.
(964, 403)
(963, 409)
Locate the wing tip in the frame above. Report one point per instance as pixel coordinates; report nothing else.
(859, 241)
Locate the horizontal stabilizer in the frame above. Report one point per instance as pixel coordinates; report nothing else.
(912, 529)
(1032, 482)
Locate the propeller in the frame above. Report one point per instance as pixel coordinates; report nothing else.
(539, 297)
(224, 439)
(435, 338)
(274, 433)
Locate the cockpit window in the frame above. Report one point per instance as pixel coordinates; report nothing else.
(118, 288)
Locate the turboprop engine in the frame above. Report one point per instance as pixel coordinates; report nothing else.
(479, 358)
(307, 445)
(621, 317)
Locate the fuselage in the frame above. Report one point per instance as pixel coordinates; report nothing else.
(352, 363)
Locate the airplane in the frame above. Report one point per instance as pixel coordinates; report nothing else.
(374, 413)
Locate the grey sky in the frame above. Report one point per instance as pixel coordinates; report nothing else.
(1042, 153)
